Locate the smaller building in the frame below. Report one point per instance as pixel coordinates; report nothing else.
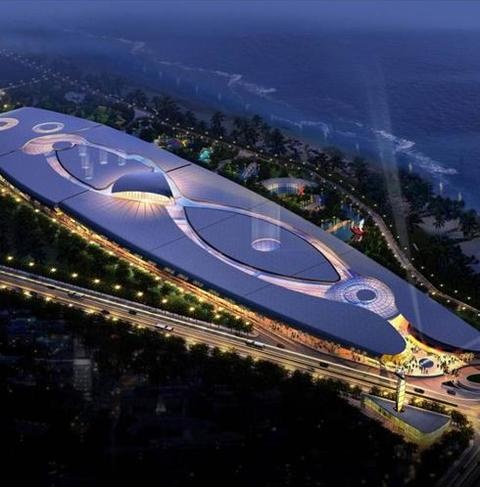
(250, 171)
(287, 185)
(417, 425)
(205, 155)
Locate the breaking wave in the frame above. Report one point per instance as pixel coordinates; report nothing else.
(237, 82)
(301, 124)
(234, 80)
(399, 144)
(406, 146)
(136, 46)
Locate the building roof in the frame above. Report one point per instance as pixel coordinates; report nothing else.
(217, 232)
(260, 244)
(143, 182)
(274, 183)
(424, 421)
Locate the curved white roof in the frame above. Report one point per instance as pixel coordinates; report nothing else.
(218, 232)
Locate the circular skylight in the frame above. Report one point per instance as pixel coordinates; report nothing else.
(48, 127)
(7, 123)
(267, 244)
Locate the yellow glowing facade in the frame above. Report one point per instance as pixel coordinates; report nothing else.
(142, 197)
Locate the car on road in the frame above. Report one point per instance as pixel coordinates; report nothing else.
(73, 294)
(254, 344)
(164, 327)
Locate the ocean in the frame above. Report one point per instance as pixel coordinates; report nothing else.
(406, 97)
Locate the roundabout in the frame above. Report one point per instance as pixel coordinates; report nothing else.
(468, 379)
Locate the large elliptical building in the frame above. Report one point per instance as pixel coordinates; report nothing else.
(180, 215)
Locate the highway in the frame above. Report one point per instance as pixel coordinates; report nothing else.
(193, 331)
(465, 472)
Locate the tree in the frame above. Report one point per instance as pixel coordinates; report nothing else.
(413, 220)
(336, 159)
(261, 128)
(439, 219)
(138, 98)
(319, 159)
(360, 169)
(167, 107)
(190, 119)
(245, 131)
(147, 134)
(276, 142)
(216, 124)
(202, 126)
(469, 223)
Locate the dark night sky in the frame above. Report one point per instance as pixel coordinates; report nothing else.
(405, 13)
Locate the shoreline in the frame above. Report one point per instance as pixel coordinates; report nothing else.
(139, 50)
(204, 112)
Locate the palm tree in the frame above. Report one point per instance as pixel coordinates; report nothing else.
(276, 142)
(138, 98)
(336, 158)
(245, 131)
(261, 127)
(413, 220)
(469, 223)
(439, 219)
(360, 169)
(190, 119)
(167, 107)
(216, 124)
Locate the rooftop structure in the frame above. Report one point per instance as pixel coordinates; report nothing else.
(287, 185)
(416, 424)
(182, 216)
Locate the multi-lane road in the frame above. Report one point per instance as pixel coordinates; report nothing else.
(464, 472)
(194, 331)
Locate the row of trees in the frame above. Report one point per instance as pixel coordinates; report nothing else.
(32, 241)
(251, 132)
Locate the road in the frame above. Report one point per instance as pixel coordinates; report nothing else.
(197, 332)
(465, 472)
